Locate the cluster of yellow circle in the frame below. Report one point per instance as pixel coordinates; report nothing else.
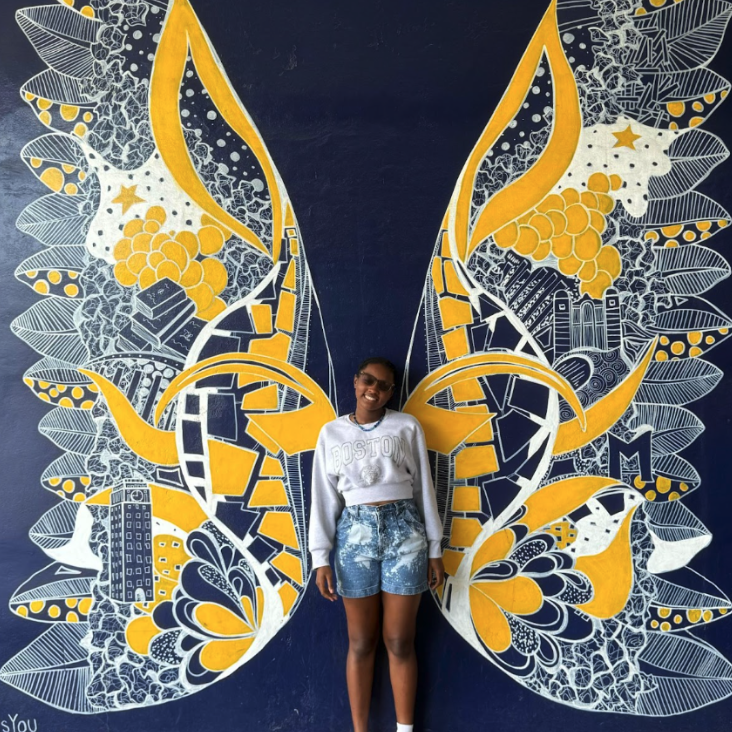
(68, 112)
(692, 616)
(570, 225)
(71, 612)
(63, 395)
(56, 178)
(679, 108)
(678, 347)
(661, 486)
(53, 278)
(686, 232)
(146, 255)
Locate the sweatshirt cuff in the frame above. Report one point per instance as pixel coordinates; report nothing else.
(435, 551)
(320, 558)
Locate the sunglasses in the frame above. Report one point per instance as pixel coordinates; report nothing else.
(366, 379)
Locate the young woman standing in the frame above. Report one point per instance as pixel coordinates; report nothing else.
(373, 499)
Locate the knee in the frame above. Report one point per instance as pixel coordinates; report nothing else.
(361, 646)
(399, 646)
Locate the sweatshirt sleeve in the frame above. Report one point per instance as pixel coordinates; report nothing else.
(325, 507)
(424, 492)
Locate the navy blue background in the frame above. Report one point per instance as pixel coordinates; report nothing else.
(369, 110)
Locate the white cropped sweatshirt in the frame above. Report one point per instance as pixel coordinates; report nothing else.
(352, 466)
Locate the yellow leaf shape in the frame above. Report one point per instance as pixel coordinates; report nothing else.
(519, 595)
(182, 34)
(528, 190)
(222, 654)
(495, 547)
(219, 620)
(556, 500)
(178, 507)
(154, 445)
(603, 414)
(490, 623)
(611, 574)
(139, 634)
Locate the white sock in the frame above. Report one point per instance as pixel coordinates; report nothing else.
(404, 727)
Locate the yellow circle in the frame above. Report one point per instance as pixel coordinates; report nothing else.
(41, 287)
(708, 615)
(71, 602)
(664, 612)
(54, 611)
(77, 392)
(694, 352)
(678, 348)
(665, 627)
(661, 356)
(36, 606)
(85, 480)
(68, 486)
(654, 623)
(85, 605)
(709, 340)
(66, 402)
(650, 495)
(71, 290)
(72, 617)
(678, 619)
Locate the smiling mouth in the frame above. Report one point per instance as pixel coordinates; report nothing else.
(370, 398)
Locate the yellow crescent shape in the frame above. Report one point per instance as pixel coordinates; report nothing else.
(249, 365)
(528, 190)
(555, 500)
(611, 574)
(182, 32)
(150, 443)
(602, 415)
(445, 429)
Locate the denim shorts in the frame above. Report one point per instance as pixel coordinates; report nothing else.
(381, 548)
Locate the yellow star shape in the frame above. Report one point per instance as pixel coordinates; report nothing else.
(626, 138)
(127, 197)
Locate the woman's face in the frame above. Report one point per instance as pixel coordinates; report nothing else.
(369, 396)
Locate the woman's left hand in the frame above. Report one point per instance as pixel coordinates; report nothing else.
(435, 572)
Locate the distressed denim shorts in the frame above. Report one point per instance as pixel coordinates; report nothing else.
(381, 548)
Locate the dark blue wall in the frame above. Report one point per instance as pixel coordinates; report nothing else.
(369, 111)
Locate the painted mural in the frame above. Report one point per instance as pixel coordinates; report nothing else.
(176, 320)
(564, 329)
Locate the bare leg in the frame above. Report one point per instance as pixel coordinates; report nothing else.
(362, 614)
(400, 619)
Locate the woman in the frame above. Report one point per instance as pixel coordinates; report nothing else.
(372, 496)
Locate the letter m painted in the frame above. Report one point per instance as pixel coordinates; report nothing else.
(640, 446)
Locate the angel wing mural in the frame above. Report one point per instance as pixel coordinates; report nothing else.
(176, 322)
(562, 332)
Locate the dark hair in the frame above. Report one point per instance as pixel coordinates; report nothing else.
(382, 362)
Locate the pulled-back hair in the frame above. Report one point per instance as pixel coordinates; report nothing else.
(382, 362)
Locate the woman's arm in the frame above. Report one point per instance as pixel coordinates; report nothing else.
(325, 508)
(424, 492)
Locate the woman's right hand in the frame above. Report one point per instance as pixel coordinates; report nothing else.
(324, 581)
